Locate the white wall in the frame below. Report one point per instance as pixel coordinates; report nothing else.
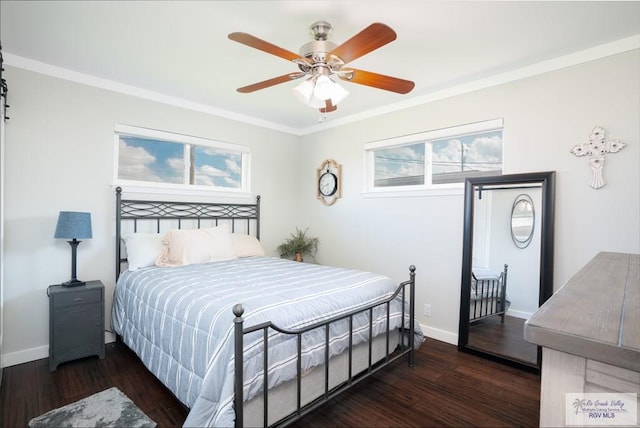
(59, 156)
(544, 116)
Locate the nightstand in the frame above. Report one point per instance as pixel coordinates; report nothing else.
(76, 322)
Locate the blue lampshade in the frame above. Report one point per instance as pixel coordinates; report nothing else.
(73, 225)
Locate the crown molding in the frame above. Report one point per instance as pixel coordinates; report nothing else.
(111, 85)
(576, 58)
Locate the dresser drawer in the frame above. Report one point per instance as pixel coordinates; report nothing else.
(77, 298)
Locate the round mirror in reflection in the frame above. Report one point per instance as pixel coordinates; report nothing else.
(522, 221)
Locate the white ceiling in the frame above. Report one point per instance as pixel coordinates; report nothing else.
(179, 51)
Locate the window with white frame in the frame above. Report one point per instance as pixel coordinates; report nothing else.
(435, 159)
(163, 160)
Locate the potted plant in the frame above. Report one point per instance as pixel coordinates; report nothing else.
(299, 244)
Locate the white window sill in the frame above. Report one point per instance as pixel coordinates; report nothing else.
(130, 188)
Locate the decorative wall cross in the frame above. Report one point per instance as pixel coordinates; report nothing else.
(596, 148)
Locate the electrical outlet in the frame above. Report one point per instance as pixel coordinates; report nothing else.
(427, 310)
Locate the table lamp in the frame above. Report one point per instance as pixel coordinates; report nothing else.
(73, 225)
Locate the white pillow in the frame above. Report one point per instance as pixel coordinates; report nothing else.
(246, 245)
(189, 246)
(142, 249)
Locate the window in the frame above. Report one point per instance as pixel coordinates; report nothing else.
(163, 160)
(400, 166)
(454, 159)
(435, 159)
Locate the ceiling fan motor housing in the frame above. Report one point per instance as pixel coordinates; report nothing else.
(320, 30)
(317, 50)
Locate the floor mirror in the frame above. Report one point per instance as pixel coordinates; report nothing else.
(507, 264)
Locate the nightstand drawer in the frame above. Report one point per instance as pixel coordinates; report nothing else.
(79, 297)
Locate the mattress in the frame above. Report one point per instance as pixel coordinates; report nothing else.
(482, 288)
(180, 323)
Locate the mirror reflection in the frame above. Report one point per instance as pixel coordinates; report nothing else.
(503, 284)
(503, 306)
(522, 221)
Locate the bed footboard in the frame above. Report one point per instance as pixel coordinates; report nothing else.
(488, 297)
(405, 347)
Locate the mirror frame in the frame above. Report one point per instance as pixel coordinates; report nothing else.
(523, 197)
(547, 211)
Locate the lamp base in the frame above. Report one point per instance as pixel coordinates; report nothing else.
(73, 283)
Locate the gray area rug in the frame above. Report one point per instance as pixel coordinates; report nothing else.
(109, 408)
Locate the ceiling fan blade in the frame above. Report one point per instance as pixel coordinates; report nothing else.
(376, 80)
(270, 82)
(254, 42)
(329, 107)
(367, 40)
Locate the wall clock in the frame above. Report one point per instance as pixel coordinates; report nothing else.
(329, 182)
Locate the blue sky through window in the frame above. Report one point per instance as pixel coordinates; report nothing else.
(217, 168)
(474, 152)
(145, 159)
(451, 157)
(402, 161)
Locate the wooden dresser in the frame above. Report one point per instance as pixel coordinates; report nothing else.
(589, 331)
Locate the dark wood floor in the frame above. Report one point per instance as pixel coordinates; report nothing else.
(503, 339)
(445, 388)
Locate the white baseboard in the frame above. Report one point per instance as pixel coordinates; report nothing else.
(519, 314)
(37, 353)
(25, 356)
(441, 335)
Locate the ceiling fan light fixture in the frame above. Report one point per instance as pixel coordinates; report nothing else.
(304, 93)
(315, 90)
(323, 87)
(339, 94)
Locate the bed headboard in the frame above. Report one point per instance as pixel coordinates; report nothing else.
(161, 216)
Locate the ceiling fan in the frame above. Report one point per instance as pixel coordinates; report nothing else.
(320, 59)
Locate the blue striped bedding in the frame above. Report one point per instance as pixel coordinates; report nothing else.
(180, 323)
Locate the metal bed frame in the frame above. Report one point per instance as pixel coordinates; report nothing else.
(406, 334)
(157, 212)
(245, 215)
(493, 297)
